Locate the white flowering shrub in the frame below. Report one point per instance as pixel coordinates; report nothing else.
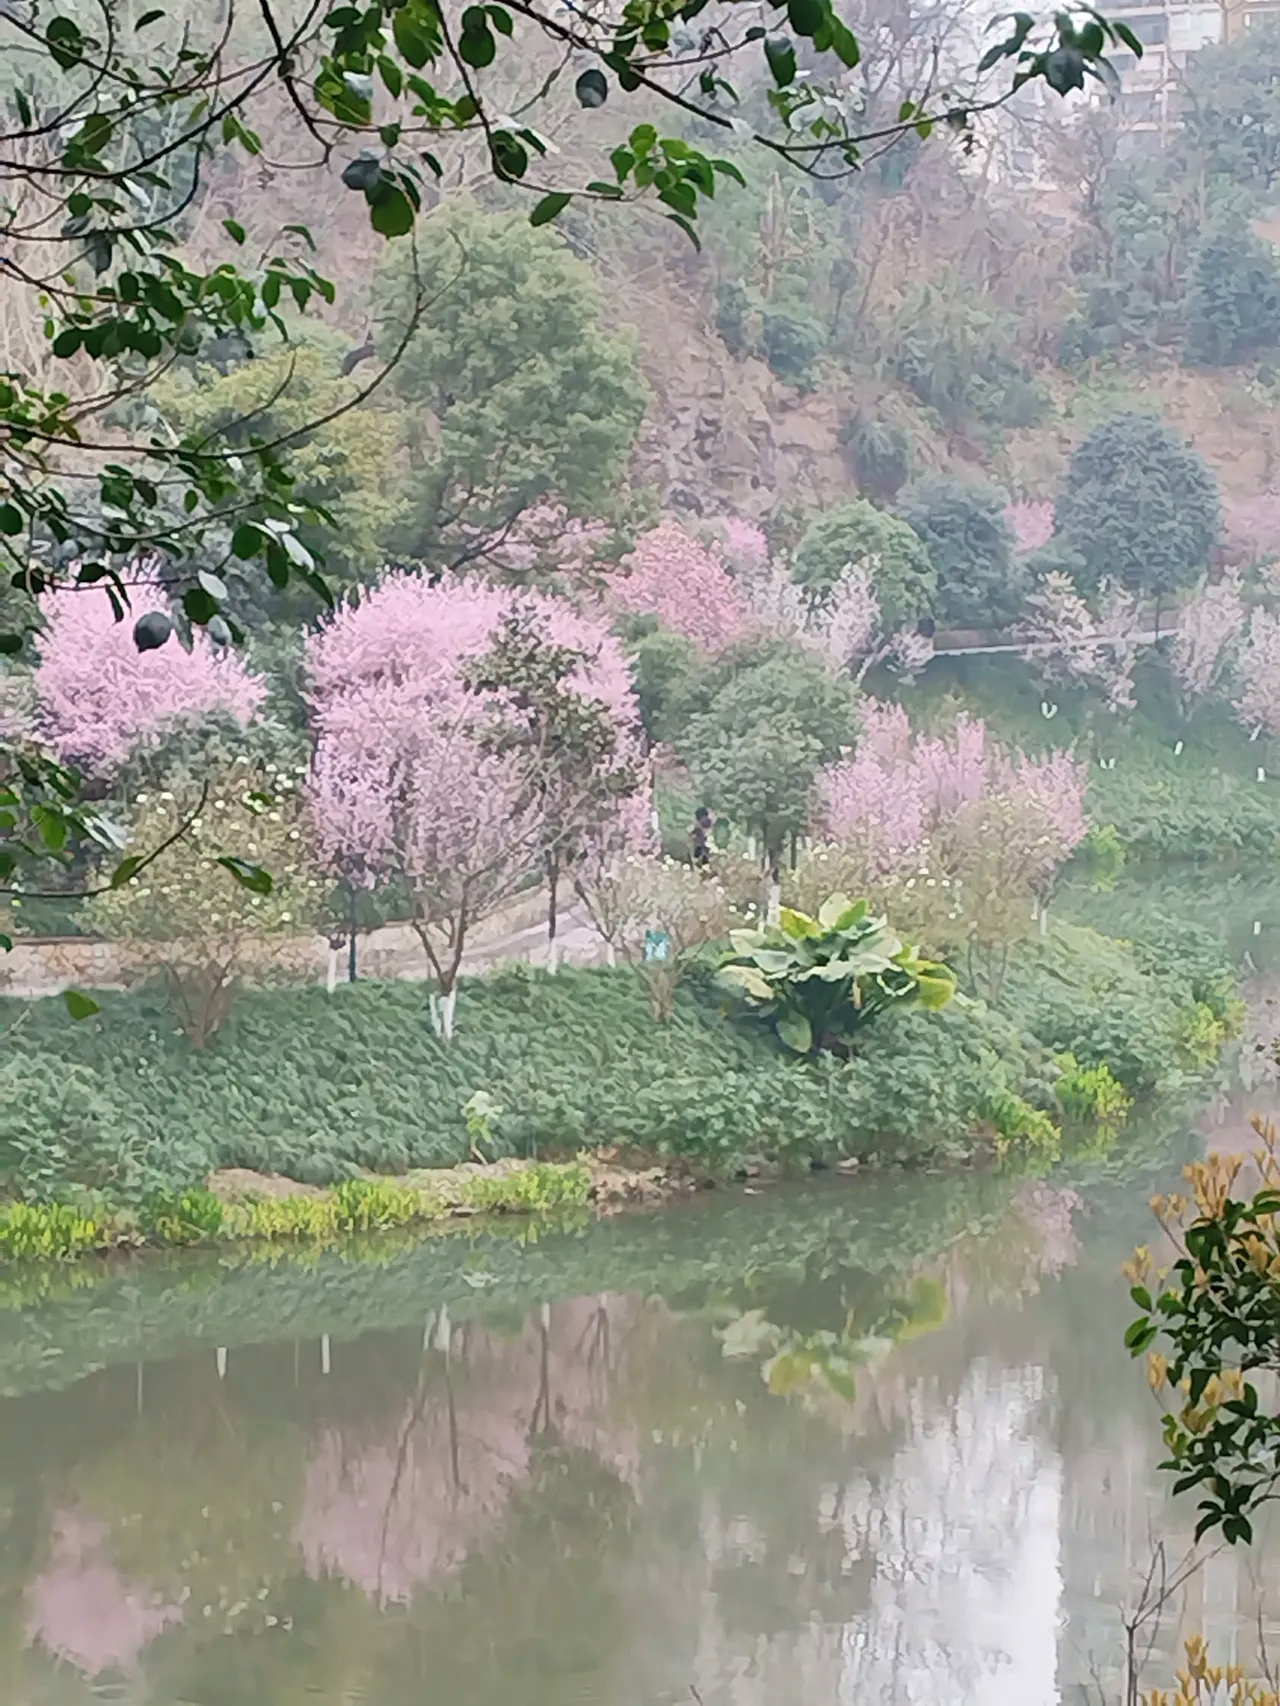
(186, 919)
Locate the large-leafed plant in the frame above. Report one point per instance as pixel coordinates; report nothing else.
(820, 981)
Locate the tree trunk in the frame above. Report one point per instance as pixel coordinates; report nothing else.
(553, 912)
(351, 938)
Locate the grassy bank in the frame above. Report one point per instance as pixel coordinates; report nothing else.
(120, 1116)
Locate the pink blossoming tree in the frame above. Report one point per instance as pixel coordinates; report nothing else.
(1251, 530)
(1065, 641)
(687, 586)
(1031, 523)
(895, 792)
(1258, 703)
(99, 696)
(412, 786)
(1208, 629)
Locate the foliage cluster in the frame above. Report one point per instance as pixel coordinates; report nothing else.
(1211, 1320)
(317, 1087)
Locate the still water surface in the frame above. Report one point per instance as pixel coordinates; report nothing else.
(855, 1442)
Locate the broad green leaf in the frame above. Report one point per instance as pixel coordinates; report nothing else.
(251, 877)
(745, 980)
(795, 1031)
(79, 1005)
(549, 207)
(797, 924)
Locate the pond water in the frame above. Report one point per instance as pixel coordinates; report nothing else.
(855, 1441)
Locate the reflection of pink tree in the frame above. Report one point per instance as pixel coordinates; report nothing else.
(83, 1610)
(391, 1514)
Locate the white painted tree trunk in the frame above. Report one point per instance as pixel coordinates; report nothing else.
(331, 980)
(444, 1331)
(773, 908)
(553, 954)
(325, 1360)
(610, 954)
(220, 1361)
(442, 1008)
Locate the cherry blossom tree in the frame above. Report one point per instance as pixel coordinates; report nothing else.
(544, 544)
(1258, 702)
(412, 789)
(896, 793)
(1064, 639)
(1031, 523)
(687, 586)
(99, 696)
(1205, 637)
(745, 545)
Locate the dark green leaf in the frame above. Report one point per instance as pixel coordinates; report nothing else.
(234, 230)
(79, 1005)
(390, 210)
(11, 520)
(781, 56)
(199, 605)
(246, 541)
(251, 877)
(548, 208)
(806, 16)
(125, 870)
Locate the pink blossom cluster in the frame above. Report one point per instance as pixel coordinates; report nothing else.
(399, 781)
(99, 696)
(1258, 704)
(1209, 627)
(1031, 522)
(745, 545)
(687, 586)
(895, 789)
(545, 535)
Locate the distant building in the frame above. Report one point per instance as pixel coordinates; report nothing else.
(1171, 31)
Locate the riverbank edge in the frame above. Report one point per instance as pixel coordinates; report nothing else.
(237, 1207)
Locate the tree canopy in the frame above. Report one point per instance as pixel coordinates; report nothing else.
(897, 561)
(513, 387)
(981, 583)
(1139, 507)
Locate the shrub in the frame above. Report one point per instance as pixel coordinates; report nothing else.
(1091, 1093)
(372, 1205)
(1233, 301)
(790, 343)
(902, 576)
(881, 453)
(192, 923)
(1140, 508)
(541, 1186)
(1019, 1125)
(818, 981)
(47, 1230)
(187, 1217)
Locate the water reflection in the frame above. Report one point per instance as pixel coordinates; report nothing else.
(913, 1476)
